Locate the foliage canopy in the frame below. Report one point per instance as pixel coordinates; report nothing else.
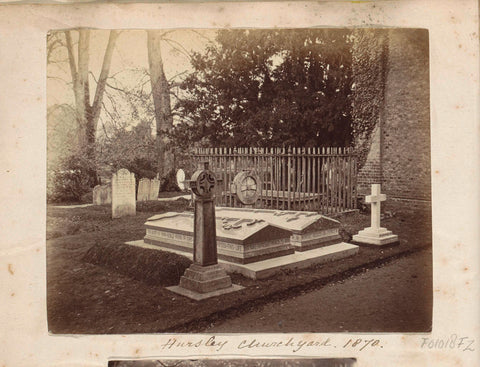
(269, 88)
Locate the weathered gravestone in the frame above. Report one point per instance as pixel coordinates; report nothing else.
(181, 183)
(123, 193)
(204, 278)
(102, 194)
(143, 192)
(154, 188)
(247, 187)
(375, 235)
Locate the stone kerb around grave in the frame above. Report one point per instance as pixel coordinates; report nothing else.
(102, 194)
(143, 193)
(123, 193)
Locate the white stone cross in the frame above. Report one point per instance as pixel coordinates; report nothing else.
(375, 235)
(375, 199)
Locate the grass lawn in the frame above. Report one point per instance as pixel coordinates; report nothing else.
(97, 285)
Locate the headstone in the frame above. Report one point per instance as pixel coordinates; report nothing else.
(204, 278)
(308, 230)
(247, 187)
(181, 179)
(143, 192)
(154, 188)
(102, 194)
(375, 235)
(123, 193)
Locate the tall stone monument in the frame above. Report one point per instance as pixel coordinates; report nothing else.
(375, 235)
(204, 278)
(123, 193)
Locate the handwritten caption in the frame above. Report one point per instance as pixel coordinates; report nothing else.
(453, 341)
(290, 343)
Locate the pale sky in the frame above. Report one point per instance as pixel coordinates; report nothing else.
(130, 53)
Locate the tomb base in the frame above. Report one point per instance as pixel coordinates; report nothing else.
(201, 282)
(267, 268)
(375, 236)
(309, 241)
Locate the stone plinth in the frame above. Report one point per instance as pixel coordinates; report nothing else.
(375, 236)
(308, 230)
(239, 240)
(201, 282)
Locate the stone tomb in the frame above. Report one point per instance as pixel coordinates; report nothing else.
(308, 230)
(239, 240)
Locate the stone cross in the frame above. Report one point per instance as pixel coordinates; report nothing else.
(247, 188)
(205, 235)
(205, 277)
(375, 235)
(375, 199)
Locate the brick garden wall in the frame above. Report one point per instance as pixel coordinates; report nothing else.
(399, 149)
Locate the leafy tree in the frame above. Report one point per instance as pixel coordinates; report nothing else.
(269, 88)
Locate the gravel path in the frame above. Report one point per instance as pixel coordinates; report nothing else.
(396, 297)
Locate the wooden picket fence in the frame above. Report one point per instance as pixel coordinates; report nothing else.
(317, 179)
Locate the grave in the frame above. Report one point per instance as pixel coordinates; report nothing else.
(143, 192)
(308, 230)
(375, 235)
(205, 278)
(254, 242)
(239, 240)
(123, 193)
(181, 183)
(247, 187)
(258, 258)
(154, 189)
(102, 194)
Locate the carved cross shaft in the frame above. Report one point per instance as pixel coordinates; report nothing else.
(375, 199)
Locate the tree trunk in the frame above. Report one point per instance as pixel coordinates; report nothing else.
(161, 100)
(88, 115)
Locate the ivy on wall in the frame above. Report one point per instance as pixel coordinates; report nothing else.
(369, 65)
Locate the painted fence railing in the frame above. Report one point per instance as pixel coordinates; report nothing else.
(320, 179)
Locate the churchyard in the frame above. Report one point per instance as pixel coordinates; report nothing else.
(98, 284)
(212, 185)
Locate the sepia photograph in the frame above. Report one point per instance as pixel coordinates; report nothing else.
(248, 180)
(252, 362)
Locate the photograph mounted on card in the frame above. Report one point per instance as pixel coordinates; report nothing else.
(252, 362)
(238, 181)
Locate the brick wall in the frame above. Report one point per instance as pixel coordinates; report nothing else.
(399, 149)
(406, 132)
